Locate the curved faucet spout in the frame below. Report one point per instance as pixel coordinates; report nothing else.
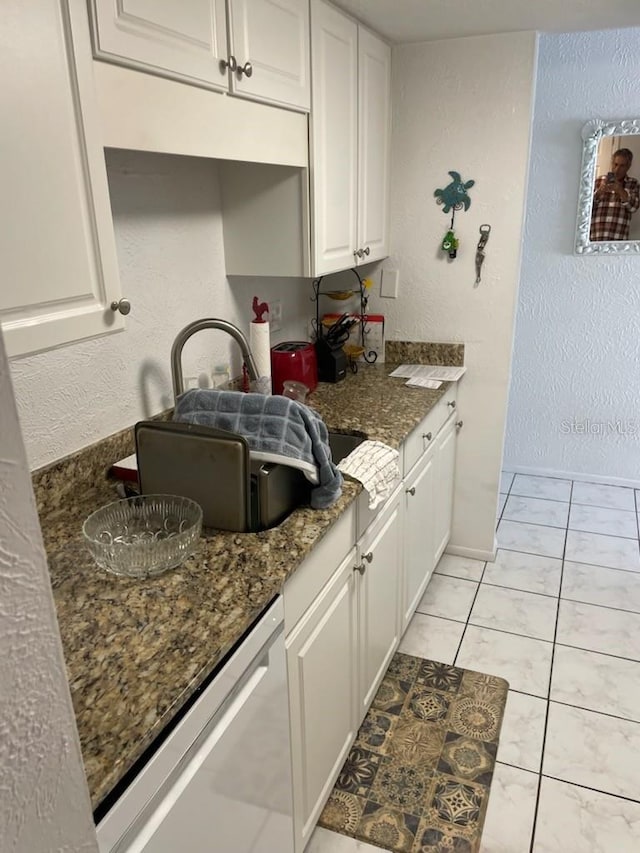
(209, 323)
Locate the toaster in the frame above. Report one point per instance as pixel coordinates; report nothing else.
(293, 360)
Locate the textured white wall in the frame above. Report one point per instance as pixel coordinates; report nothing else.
(462, 105)
(577, 343)
(44, 802)
(168, 226)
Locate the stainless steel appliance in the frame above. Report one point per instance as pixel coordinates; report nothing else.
(221, 781)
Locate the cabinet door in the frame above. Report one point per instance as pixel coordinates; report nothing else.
(334, 127)
(273, 35)
(445, 462)
(56, 234)
(172, 38)
(419, 527)
(380, 562)
(374, 140)
(322, 668)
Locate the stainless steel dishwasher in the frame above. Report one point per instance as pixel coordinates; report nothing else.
(221, 781)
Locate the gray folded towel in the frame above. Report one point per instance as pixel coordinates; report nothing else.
(270, 424)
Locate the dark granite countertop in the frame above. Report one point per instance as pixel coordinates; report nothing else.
(136, 650)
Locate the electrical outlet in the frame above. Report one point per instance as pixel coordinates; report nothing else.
(275, 315)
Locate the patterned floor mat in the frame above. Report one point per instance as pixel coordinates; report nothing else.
(417, 778)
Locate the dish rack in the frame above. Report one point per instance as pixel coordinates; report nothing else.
(353, 351)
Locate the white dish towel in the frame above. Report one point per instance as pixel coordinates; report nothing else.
(376, 466)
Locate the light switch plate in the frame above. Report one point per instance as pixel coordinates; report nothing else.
(389, 281)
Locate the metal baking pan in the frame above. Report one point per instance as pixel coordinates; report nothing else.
(214, 468)
(210, 466)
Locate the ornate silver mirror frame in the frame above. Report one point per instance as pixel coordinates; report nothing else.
(592, 134)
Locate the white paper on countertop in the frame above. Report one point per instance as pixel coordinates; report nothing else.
(419, 382)
(436, 372)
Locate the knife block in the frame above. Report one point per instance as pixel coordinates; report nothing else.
(332, 363)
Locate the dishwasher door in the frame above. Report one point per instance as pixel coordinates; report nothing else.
(222, 779)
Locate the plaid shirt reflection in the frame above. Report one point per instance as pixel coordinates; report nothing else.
(610, 218)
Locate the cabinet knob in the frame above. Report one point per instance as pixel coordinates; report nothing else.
(452, 404)
(367, 250)
(246, 69)
(411, 491)
(358, 253)
(122, 305)
(368, 557)
(427, 435)
(231, 64)
(361, 568)
(459, 424)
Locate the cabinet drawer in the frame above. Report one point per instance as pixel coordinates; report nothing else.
(417, 442)
(304, 586)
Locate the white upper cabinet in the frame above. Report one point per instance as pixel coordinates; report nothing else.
(334, 138)
(185, 40)
(350, 137)
(253, 48)
(374, 137)
(273, 37)
(56, 234)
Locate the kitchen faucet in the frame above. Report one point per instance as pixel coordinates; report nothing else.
(208, 323)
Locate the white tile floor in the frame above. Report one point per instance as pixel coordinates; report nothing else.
(558, 616)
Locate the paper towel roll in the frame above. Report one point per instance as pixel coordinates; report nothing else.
(260, 343)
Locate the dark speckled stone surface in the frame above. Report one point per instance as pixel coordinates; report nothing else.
(136, 650)
(410, 352)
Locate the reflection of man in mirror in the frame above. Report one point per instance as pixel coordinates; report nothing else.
(616, 196)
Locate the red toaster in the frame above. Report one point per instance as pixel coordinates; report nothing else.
(293, 360)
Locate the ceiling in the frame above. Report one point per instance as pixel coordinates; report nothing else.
(426, 20)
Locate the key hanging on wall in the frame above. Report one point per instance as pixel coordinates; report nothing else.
(485, 230)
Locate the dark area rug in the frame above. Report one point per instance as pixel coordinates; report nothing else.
(417, 778)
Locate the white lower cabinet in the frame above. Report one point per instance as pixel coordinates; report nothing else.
(349, 603)
(419, 533)
(337, 655)
(379, 583)
(445, 465)
(322, 666)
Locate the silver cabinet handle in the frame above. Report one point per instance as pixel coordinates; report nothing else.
(361, 568)
(427, 435)
(367, 251)
(411, 491)
(122, 305)
(452, 404)
(358, 253)
(231, 64)
(459, 424)
(246, 69)
(368, 557)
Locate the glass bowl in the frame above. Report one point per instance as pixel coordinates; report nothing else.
(143, 536)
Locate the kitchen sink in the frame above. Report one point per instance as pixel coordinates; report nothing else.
(342, 443)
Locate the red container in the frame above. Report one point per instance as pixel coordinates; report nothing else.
(293, 360)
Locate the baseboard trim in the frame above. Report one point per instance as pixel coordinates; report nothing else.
(472, 553)
(572, 475)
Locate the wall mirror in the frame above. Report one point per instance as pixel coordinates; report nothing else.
(608, 214)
